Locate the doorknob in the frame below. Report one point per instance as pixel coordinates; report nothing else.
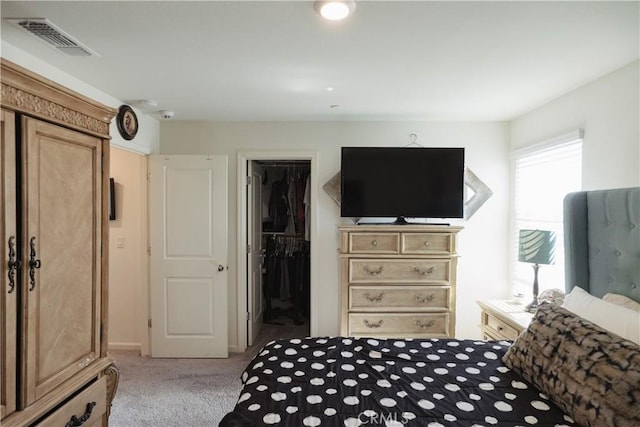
(220, 267)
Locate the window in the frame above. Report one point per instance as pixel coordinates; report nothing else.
(544, 174)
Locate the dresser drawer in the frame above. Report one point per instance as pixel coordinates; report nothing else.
(374, 243)
(90, 405)
(426, 243)
(399, 298)
(399, 270)
(498, 328)
(399, 324)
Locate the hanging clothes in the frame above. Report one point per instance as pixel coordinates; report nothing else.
(279, 209)
(287, 276)
(307, 209)
(300, 187)
(291, 200)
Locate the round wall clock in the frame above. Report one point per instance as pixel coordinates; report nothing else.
(127, 122)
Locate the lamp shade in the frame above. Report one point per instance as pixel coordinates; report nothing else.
(537, 246)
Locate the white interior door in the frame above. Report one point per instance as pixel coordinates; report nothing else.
(188, 265)
(255, 254)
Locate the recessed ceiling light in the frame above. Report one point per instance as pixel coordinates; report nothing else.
(329, 89)
(334, 10)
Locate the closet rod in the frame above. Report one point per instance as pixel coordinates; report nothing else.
(285, 163)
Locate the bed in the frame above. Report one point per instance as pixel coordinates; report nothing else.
(564, 370)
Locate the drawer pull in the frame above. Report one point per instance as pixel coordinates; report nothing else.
(374, 243)
(13, 265)
(427, 243)
(374, 299)
(34, 264)
(500, 328)
(372, 325)
(75, 421)
(423, 271)
(373, 272)
(425, 325)
(423, 299)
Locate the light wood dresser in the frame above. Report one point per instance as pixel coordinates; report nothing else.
(398, 280)
(502, 319)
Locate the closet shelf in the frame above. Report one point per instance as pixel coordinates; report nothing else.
(281, 233)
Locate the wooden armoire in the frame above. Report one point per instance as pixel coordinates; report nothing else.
(54, 170)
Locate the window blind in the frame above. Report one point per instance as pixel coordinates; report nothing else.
(544, 175)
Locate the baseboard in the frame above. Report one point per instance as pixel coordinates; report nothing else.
(137, 346)
(124, 346)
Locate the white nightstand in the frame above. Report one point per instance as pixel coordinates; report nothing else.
(502, 319)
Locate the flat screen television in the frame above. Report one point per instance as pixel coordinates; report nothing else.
(402, 182)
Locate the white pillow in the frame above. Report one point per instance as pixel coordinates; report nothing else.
(617, 319)
(622, 300)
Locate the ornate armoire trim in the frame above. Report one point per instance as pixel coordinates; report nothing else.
(27, 92)
(113, 378)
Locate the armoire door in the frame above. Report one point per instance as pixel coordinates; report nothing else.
(8, 257)
(61, 251)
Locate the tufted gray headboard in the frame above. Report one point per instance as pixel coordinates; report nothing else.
(602, 241)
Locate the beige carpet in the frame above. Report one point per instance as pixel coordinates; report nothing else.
(184, 392)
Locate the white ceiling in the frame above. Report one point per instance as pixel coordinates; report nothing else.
(391, 60)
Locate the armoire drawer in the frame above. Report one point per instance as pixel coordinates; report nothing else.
(374, 243)
(426, 243)
(399, 270)
(399, 324)
(399, 298)
(89, 405)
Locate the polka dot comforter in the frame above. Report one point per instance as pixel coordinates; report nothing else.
(364, 381)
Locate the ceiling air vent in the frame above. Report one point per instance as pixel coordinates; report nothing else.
(53, 36)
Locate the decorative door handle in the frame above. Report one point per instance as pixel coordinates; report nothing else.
(374, 299)
(75, 421)
(423, 271)
(423, 299)
(13, 265)
(425, 325)
(373, 272)
(33, 265)
(372, 325)
(220, 267)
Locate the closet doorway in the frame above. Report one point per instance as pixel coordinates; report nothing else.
(276, 228)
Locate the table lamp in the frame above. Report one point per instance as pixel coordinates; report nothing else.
(536, 247)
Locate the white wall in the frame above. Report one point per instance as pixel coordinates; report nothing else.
(482, 244)
(146, 140)
(127, 264)
(608, 111)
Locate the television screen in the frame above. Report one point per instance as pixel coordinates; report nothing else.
(402, 182)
